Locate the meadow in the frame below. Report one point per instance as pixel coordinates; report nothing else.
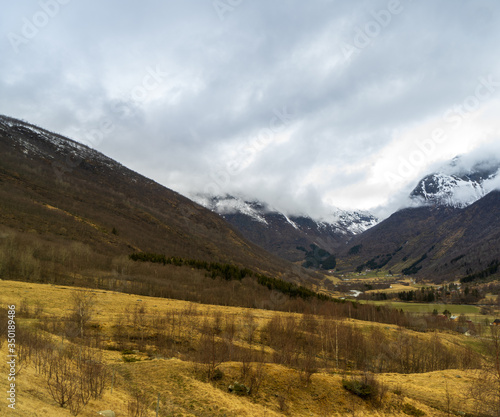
(209, 360)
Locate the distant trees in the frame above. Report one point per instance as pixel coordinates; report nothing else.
(341, 345)
(230, 272)
(414, 267)
(318, 258)
(446, 293)
(485, 273)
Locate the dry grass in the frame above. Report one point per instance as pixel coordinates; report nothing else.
(183, 392)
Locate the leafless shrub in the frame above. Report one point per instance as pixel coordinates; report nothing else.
(139, 404)
(484, 394)
(282, 402)
(61, 381)
(212, 350)
(257, 377)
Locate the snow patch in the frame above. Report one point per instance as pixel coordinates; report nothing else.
(231, 205)
(291, 222)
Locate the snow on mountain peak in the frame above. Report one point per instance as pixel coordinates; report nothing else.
(456, 185)
(343, 221)
(230, 205)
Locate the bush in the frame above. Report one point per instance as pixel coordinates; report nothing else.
(129, 359)
(366, 387)
(217, 375)
(239, 389)
(359, 388)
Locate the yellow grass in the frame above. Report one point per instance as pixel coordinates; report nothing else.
(182, 392)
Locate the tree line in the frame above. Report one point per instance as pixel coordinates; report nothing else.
(231, 272)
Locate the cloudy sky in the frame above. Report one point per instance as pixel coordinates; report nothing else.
(301, 104)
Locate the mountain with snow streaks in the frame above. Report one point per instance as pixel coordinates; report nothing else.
(457, 186)
(285, 234)
(450, 233)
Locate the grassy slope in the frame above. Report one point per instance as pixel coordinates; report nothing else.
(182, 391)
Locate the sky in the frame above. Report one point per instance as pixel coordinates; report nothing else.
(304, 105)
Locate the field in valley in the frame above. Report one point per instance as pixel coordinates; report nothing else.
(190, 383)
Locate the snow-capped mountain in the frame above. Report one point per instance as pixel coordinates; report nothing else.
(451, 230)
(342, 221)
(354, 222)
(231, 205)
(283, 234)
(457, 186)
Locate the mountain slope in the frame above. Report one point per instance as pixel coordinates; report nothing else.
(283, 235)
(432, 242)
(53, 186)
(452, 232)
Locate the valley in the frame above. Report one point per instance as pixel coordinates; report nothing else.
(132, 297)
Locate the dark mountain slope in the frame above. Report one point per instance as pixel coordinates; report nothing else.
(283, 235)
(52, 186)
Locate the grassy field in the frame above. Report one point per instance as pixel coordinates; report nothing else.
(183, 392)
(430, 307)
(471, 311)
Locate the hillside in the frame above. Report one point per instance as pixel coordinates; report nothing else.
(433, 242)
(65, 193)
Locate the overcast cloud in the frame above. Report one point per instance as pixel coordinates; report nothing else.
(301, 104)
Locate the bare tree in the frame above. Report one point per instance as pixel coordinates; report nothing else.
(82, 309)
(61, 381)
(491, 374)
(139, 404)
(212, 350)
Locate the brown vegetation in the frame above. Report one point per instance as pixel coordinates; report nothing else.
(260, 353)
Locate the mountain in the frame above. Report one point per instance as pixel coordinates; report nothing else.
(456, 185)
(437, 243)
(60, 191)
(289, 237)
